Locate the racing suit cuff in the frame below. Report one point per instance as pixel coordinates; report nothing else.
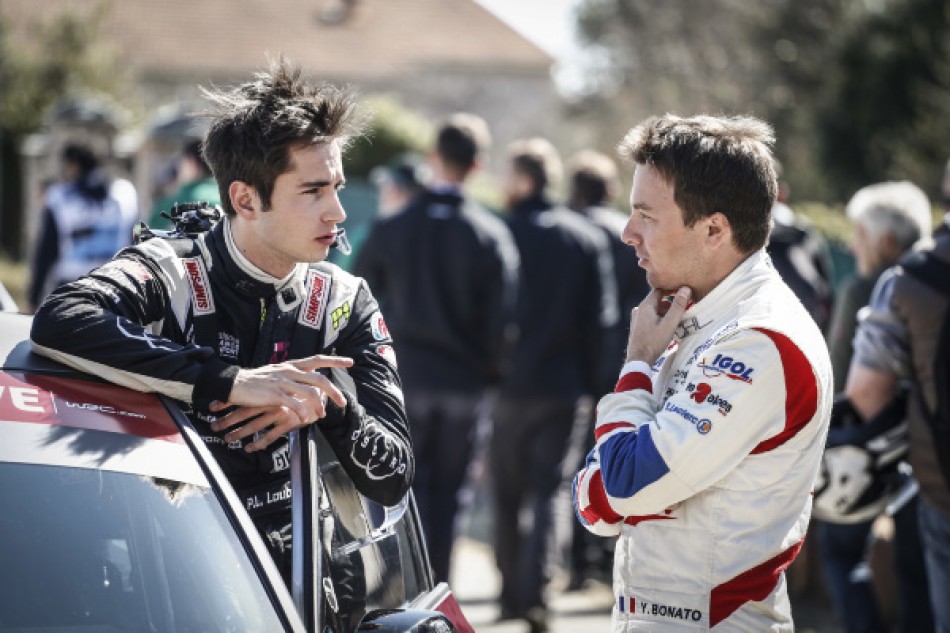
(338, 420)
(215, 382)
(635, 374)
(636, 365)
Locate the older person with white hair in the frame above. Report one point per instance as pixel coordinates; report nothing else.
(888, 219)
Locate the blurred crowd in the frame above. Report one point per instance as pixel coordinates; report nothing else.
(509, 323)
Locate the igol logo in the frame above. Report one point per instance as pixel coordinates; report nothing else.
(728, 366)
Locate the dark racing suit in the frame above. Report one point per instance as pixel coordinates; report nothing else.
(181, 316)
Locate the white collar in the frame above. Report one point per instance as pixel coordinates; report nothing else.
(294, 279)
(727, 293)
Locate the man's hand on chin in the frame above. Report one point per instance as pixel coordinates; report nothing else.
(653, 323)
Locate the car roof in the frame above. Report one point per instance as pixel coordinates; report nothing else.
(16, 352)
(51, 414)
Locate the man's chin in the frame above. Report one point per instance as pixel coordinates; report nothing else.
(318, 255)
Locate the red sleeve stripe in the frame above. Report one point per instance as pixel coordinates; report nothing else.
(753, 585)
(634, 380)
(637, 519)
(801, 391)
(604, 429)
(599, 508)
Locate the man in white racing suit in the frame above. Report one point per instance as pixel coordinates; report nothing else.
(707, 451)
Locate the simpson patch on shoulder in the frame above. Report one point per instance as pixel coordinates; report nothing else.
(202, 300)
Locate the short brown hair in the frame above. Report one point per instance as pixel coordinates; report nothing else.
(715, 164)
(593, 179)
(537, 159)
(461, 140)
(258, 123)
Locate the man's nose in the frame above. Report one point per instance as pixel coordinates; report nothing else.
(336, 212)
(630, 234)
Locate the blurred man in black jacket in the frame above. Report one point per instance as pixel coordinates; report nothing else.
(592, 186)
(445, 269)
(566, 305)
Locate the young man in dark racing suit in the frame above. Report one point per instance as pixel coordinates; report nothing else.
(236, 321)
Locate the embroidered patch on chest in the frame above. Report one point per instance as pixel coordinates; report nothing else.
(315, 303)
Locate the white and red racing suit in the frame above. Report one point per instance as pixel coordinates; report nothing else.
(705, 463)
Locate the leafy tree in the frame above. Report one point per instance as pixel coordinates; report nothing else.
(858, 90)
(890, 118)
(393, 130)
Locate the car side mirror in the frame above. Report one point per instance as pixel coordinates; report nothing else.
(411, 621)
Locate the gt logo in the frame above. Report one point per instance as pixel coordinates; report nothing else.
(281, 459)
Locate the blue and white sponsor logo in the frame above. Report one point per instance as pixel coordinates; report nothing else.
(712, 340)
(703, 425)
(727, 366)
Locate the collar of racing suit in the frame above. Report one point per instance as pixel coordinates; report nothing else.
(251, 281)
(729, 291)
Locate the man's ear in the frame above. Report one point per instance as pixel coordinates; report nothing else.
(244, 199)
(718, 229)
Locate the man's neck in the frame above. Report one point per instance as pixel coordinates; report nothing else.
(718, 270)
(248, 260)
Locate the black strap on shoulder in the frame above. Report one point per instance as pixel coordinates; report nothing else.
(206, 325)
(935, 273)
(929, 269)
(191, 222)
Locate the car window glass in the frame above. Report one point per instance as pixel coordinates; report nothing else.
(101, 550)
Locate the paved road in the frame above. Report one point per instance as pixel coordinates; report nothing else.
(475, 583)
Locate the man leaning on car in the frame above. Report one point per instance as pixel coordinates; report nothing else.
(244, 323)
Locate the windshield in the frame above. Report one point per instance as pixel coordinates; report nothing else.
(91, 550)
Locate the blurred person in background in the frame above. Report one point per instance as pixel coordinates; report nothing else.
(194, 183)
(800, 255)
(445, 271)
(398, 183)
(592, 189)
(566, 308)
(87, 217)
(888, 218)
(898, 341)
(945, 188)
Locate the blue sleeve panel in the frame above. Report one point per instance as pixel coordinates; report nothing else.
(629, 462)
